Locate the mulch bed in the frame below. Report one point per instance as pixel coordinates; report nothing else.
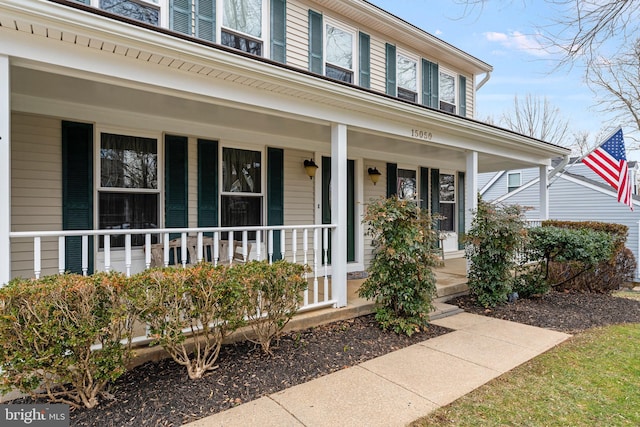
(161, 394)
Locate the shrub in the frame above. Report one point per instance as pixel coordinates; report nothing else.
(274, 294)
(401, 278)
(202, 300)
(47, 330)
(497, 233)
(579, 250)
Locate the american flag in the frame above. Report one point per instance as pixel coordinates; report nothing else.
(609, 161)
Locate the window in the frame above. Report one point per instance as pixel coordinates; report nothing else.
(407, 70)
(128, 193)
(447, 201)
(407, 187)
(242, 25)
(447, 92)
(242, 198)
(514, 180)
(339, 54)
(135, 9)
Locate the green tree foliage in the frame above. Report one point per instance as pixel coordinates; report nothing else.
(47, 330)
(401, 278)
(496, 235)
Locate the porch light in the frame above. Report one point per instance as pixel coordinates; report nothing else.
(310, 166)
(374, 174)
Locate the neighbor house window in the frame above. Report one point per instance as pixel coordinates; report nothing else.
(407, 184)
(447, 202)
(242, 25)
(339, 53)
(128, 194)
(139, 10)
(242, 197)
(447, 92)
(407, 71)
(514, 181)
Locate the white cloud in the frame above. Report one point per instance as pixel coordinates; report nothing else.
(439, 32)
(529, 44)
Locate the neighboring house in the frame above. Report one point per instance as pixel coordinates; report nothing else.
(578, 194)
(198, 114)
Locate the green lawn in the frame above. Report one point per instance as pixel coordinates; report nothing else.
(591, 380)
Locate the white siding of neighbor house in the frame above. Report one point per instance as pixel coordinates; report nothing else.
(372, 192)
(484, 178)
(36, 189)
(501, 186)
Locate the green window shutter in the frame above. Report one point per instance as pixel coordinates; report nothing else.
(180, 16)
(463, 96)
(275, 194)
(315, 42)
(207, 183)
(279, 30)
(77, 190)
(365, 60)
(206, 19)
(351, 211)
(461, 210)
(391, 69)
(175, 181)
(435, 191)
(430, 83)
(424, 188)
(392, 179)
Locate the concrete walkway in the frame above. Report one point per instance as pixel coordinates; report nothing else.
(397, 388)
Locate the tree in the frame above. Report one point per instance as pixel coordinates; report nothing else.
(537, 118)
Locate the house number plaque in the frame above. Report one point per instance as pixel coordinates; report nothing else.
(421, 134)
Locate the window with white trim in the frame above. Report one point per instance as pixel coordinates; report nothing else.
(242, 25)
(339, 53)
(128, 193)
(447, 92)
(514, 181)
(241, 200)
(407, 77)
(447, 201)
(141, 10)
(407, 184)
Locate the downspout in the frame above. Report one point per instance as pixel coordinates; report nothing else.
(486, 78)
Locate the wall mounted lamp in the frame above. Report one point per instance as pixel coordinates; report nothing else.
(310, 167)
(374, 174)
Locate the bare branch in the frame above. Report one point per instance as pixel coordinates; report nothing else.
(536, 118)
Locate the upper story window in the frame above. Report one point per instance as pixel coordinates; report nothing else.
(141, 10)
(514, 181)
(339, 53)
(128, 195)
(407, 72)
(447, 92)
(242, 26)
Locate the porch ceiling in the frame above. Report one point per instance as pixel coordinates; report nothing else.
(27, 83)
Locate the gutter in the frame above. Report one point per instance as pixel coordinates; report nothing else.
(486, 78)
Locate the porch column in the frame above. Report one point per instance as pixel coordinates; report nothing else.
(339, 213)
(5, 171)
(471, 190)
(544, 193)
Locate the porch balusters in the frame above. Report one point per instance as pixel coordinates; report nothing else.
(258, 245)
(305, 250)
(216, 248)
(294, 245)
(107, 253)
(37, 266)
(183, 249)
(315, 264)
(147, 250)
(127, 254)
(61, 254)
(245, 245)
(270, 247)
(165, 252)
(85, 255)
(325, 252)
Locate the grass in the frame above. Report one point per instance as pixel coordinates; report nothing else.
(590, 380)
(627, 294)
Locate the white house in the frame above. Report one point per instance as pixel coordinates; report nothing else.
(577, 194)
(122, 117)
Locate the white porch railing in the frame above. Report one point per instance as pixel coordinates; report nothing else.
(307, 244)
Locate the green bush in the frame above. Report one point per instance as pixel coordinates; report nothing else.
(274, 294)
(578, 250)
(401, 279)
(496, 235)
(204, 301)
(48, 327)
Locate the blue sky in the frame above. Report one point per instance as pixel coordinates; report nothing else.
(505, 34)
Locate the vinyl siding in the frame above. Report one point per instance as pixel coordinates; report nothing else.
(372, 192)
(378, 58)
(501, 186)
(36, 189)
(297, 38)
(470, 92)
(298, 200)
